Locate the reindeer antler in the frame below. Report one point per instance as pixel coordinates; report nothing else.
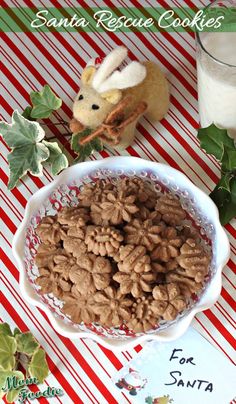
(109, 64)
(112, 119)
(118, 112)
(115, 123)
(130, 76)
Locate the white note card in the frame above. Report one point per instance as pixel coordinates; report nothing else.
(187, 371)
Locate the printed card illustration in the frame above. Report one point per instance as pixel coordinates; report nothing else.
(183, 371)
(159, 400)
(132, 382)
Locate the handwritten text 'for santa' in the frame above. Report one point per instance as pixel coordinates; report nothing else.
(176, 375)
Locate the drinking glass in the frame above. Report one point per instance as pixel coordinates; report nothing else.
(216, 71)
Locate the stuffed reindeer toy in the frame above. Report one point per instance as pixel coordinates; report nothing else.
(110, 101)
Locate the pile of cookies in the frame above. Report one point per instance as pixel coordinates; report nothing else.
(122, 256)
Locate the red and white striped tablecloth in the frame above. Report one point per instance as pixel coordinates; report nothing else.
(83, 368)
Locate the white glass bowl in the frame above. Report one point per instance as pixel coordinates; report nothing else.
(63, 191)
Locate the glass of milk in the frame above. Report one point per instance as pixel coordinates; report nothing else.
(216, 69)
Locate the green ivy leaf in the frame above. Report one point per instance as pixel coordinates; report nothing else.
(220, 196)
(86, 150)
(228, 159)
(7, 351)
(227, 212)
(27, 113)
(21, 132)
(224, 182)
(23, 136)
(22, 347)
(217, 142)
(38, 366)
(12, 394)
(3, 378)
(5, 329)
(233, 189)
(225, 199)
(44, 102)
(16, 331)
(26, 343)
(57, 158)
(23, 159)
(214, 139)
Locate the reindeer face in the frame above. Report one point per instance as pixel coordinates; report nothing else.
(101, 88)
(90, 108)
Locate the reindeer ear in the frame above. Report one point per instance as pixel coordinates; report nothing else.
(87, 75)
(112, 96)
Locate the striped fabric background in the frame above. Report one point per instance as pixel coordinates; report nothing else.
(83, 368)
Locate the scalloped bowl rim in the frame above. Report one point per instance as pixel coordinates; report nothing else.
(173, 332)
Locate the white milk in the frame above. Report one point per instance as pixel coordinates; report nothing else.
(217, 82)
